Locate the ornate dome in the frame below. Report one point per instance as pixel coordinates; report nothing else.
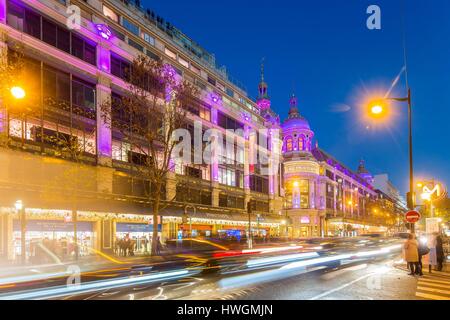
(295, 120)
(297, 135)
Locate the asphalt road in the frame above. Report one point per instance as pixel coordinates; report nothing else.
(362, 270)
(370, 280)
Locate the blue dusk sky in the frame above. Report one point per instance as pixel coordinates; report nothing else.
(323, 51)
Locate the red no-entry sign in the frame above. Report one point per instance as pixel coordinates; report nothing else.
(412, 216)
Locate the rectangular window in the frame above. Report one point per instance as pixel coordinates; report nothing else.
(16, 16)
(152, 55)
(148, 38)
(117, 33)
(110, 14)
(195, 69)
(171, 54)
(135, 45)
(83, 50)
(89, 53)
(32, 24)
(220, 86)
(83, 94)
(49, 32)
(63, 39)
(56, 88)
(183, 62)
(119, 67)
(211, 81)
(194, 172)
(130, 26)
(229, 92)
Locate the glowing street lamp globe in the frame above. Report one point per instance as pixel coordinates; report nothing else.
(18, 92)
(376, 109)
(19, 205)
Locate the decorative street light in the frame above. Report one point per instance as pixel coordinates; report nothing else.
(23, 228)
(17, 92)
(380, 108)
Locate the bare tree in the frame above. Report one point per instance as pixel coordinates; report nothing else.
(11, 71)
(146, 116)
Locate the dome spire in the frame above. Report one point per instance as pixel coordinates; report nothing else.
(293, 110)
(262, 70)
(263, 96)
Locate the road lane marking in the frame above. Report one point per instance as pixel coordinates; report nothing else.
(434, 290)
(438, 285)
(342, 287)
(334, 274)
(434, 286)
(431, 296)
(434, 281)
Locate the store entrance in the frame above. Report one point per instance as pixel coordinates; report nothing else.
(52, 241)
(134, 238)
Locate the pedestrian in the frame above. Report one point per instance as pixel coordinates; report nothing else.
(440, 255)
(158, 246)
(411, 253)
(431, 258)
(423, 251)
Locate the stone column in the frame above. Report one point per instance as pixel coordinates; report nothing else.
(215, 194)
(107, 234)
(104, 138)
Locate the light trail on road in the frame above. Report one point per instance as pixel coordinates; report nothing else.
(94, 286)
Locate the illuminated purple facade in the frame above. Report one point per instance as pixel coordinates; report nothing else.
(85, 67)
(322, 196)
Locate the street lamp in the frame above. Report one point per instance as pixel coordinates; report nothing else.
(18, 92)
(379, 108)
(23, 228)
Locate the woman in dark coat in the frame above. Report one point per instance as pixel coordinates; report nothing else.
(439, 252)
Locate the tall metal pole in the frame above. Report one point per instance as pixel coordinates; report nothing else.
(75, 233)
(249, 238)
(411, 169)
(23, 230)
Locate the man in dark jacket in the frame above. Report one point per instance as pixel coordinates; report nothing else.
(423, 251)
(440, 256)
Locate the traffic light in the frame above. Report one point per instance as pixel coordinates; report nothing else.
(410, 200)
(249, 206)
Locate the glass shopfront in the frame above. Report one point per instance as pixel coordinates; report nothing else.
(140, 234)
(49, 241)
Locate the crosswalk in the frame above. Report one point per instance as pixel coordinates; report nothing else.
(434, 286)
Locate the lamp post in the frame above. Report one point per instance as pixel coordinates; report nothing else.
(23, 229)
(378, 109)
(17, 94)
(249, 237)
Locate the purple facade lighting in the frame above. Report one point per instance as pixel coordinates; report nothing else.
(3, 11)
(103, 31)
(215, 98)
(103, 59)
(263, 104)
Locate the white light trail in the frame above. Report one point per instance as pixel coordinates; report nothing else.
(283, 258)
(93, 286)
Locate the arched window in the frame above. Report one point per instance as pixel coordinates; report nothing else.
(301, 143)
(288, 143)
